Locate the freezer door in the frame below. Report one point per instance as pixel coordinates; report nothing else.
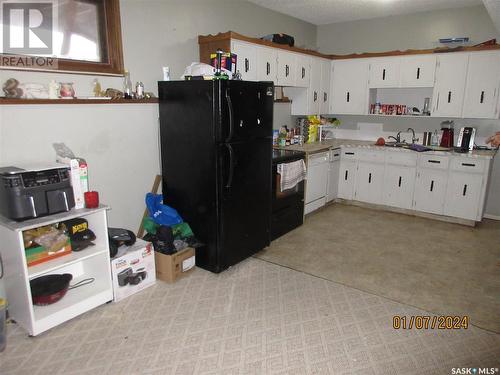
(189, 159)
(246, 110)
(245, 199)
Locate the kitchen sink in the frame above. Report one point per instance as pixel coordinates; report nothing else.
(397, 144)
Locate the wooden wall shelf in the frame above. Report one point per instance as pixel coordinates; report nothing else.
(4, 101)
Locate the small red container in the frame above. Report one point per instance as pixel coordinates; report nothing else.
(91, 199)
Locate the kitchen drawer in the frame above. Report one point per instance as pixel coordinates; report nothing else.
(372, 156)
(349, 153)
(433, 161)
(468, 165)
(401, 158)
(335, 154)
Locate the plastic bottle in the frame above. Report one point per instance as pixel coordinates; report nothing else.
(435, 138)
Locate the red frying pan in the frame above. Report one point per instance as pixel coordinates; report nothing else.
(49, 289)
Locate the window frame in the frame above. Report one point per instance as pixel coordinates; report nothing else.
(113, 44)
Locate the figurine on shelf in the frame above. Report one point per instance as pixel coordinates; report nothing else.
(114, 94)
(67, 91)
(53, 89)
(11, 88)
(97, 90)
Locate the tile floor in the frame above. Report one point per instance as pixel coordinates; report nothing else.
(255, 318)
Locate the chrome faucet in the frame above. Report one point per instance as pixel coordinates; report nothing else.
(397, 138)
(413, 139)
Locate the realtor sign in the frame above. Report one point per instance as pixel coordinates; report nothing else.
(28, 29)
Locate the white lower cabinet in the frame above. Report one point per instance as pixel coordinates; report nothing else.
(347, 178)
(430, 190)
(317, 178)
(440, 184)
(399, 183)
(333, 175)
(369, 182)
(462, 195)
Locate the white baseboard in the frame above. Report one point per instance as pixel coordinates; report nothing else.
(493, 217)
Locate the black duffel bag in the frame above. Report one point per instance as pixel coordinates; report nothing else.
(280, 39)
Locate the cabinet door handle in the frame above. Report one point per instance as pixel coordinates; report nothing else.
(325, 97)
(465, 190)
(369, 178)
(247, 65)
(399, 183)
(347, 96)
(315, 96)
(481, 99)
(383, 75)
(268, 68)
(449, 96)
(303, 72)
(336, 154)
(432, 185)
(468, 165)
(434, 161)
(346, 173)
(437, 102)
(418, 73)
(286, 70)
(349, 153)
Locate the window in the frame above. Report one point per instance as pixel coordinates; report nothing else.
(86, 36)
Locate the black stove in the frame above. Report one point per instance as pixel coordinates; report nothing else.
(280, 155)
(288, 205)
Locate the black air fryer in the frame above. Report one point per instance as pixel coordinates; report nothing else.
(30, 193)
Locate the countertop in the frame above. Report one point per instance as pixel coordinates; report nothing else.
(312, 148)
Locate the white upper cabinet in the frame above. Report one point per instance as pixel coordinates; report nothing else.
(315, 86)
(247, 59)
(349, 90)
(266, 64)
(448, 95)
(384, 72)
(303, 69)
(324, 92)
(418, 70)
(481, 92)
(286, 68)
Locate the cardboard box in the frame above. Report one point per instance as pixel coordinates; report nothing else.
(170, 268)
(79, 178)
(133, 269)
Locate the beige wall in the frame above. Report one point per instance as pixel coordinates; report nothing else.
(170, 30)
(120, 142)
(414, 31)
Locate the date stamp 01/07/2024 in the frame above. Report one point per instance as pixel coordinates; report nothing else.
(430, 322)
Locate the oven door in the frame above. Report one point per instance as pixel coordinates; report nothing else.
(288, 207)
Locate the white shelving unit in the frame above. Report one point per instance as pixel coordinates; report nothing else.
(90, 262)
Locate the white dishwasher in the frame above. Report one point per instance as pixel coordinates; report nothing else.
(317, 179)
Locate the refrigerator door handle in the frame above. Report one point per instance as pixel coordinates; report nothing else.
(231, 166)
(231, 116)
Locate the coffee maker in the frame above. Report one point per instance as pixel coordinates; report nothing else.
(447, 135)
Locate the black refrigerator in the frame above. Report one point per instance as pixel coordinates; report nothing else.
(216, 159)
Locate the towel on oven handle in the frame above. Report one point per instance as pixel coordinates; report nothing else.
(291, 174)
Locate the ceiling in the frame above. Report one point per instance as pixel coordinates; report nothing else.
(322, 12)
